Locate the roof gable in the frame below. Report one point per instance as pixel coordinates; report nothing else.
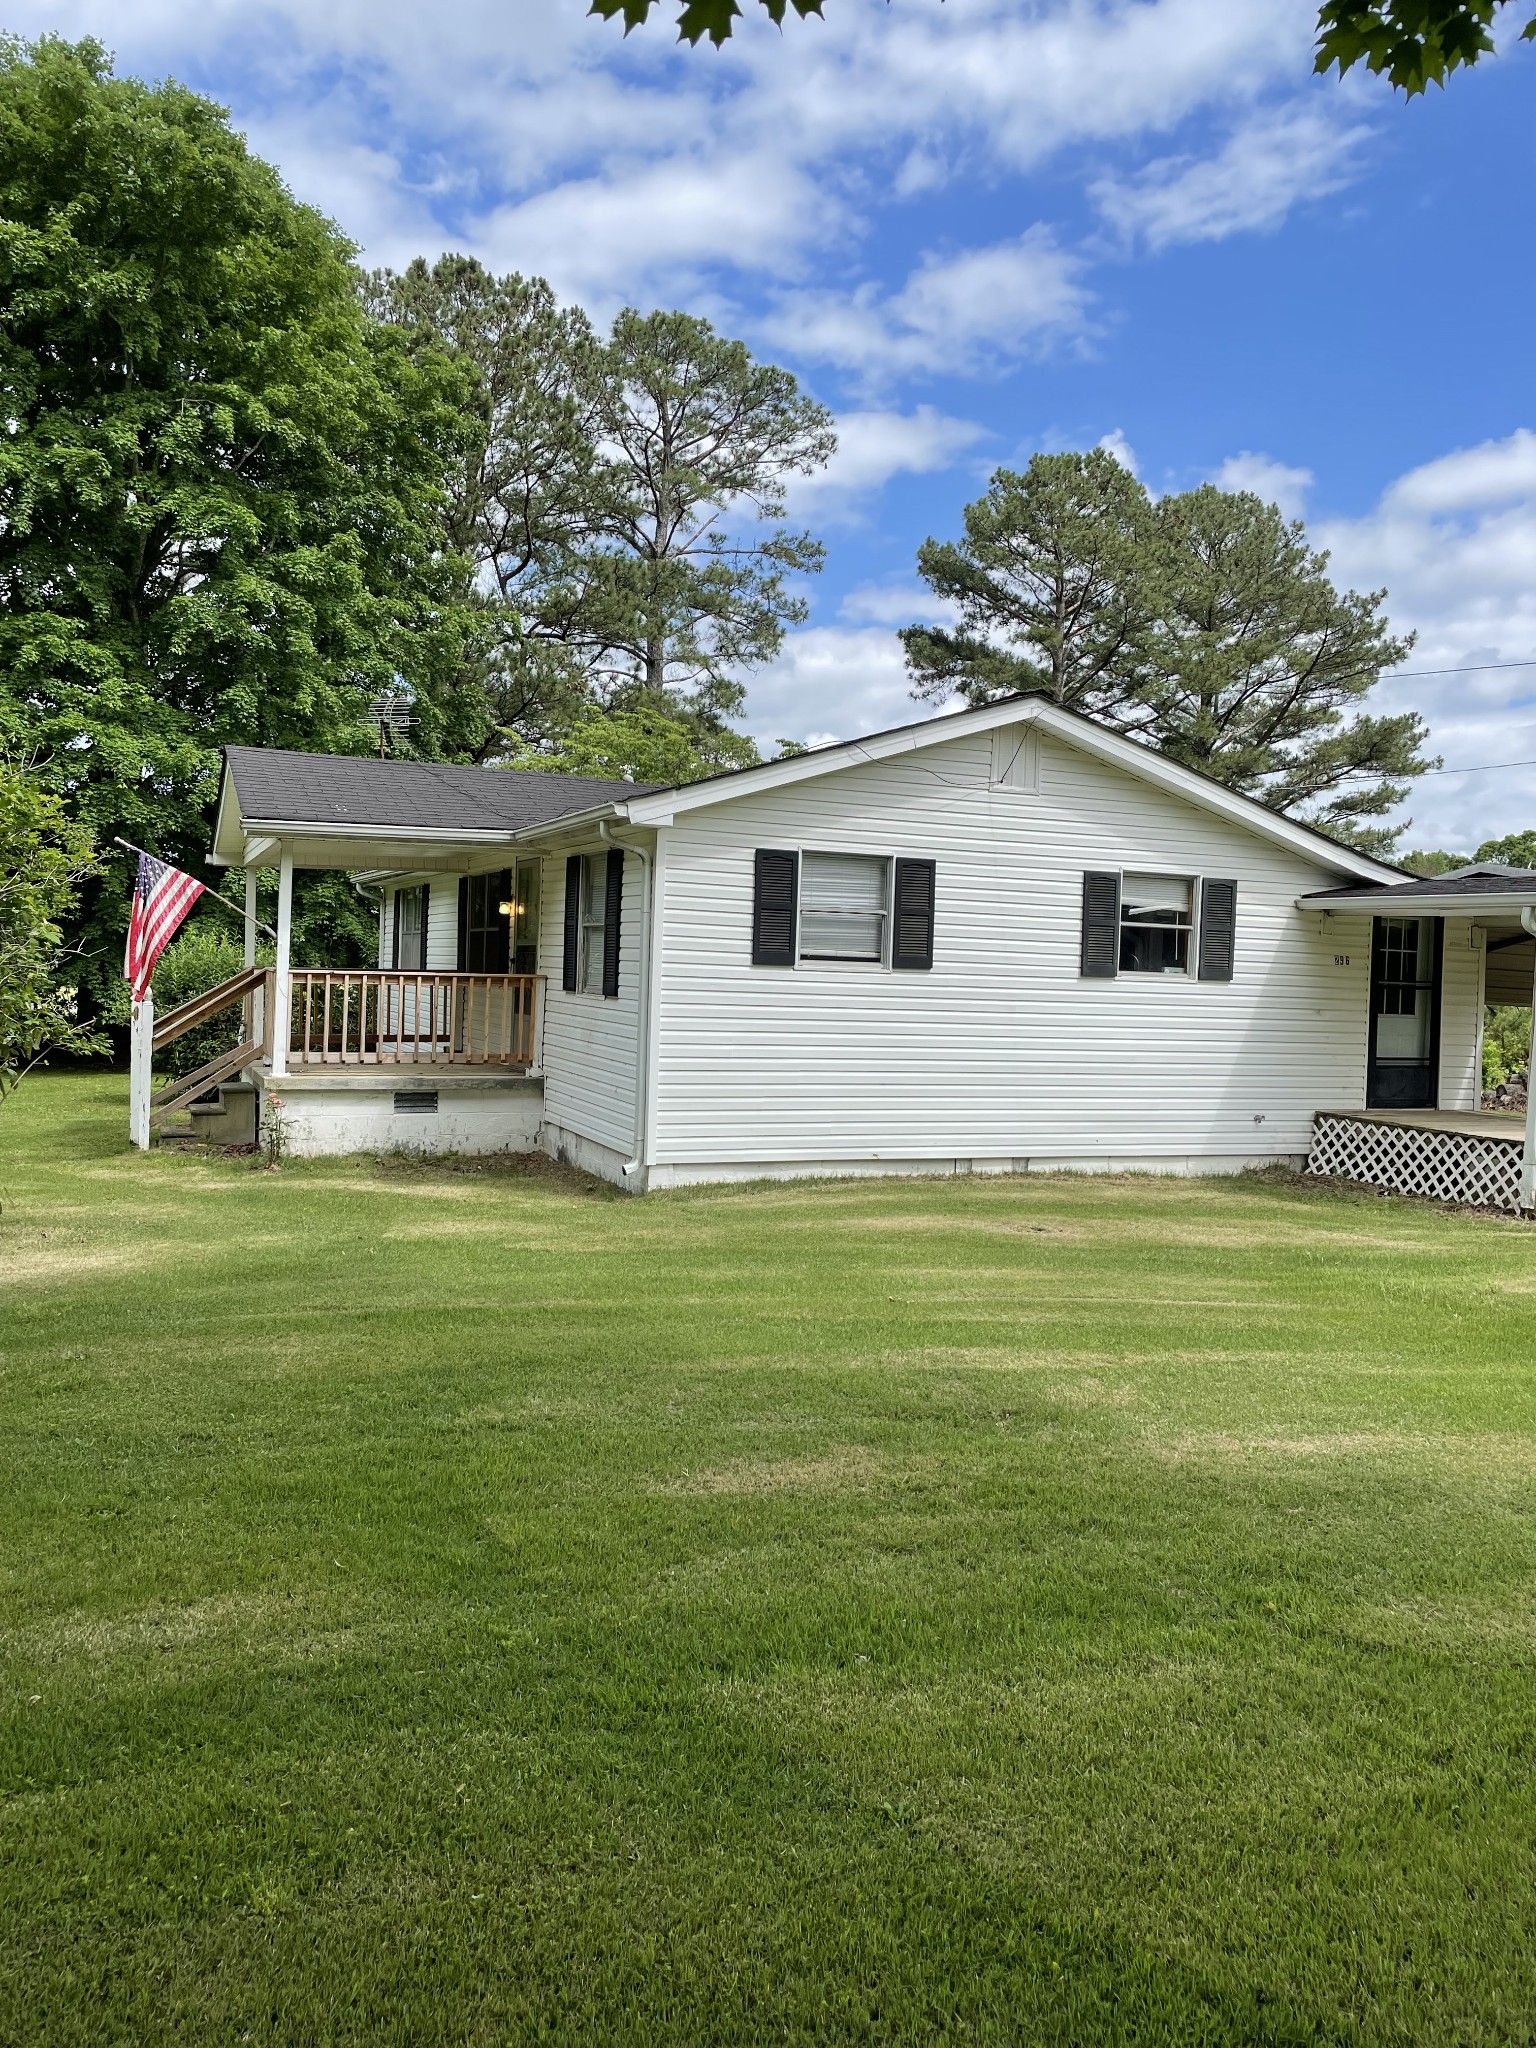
(660, 806)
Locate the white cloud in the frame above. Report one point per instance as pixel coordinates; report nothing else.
(1276, 159)
(1114, 443)
(872, 447)
(1275, 482)
(1454, 543)
(833, 682)
(955, 313)
(895, 604)
(1495, 473)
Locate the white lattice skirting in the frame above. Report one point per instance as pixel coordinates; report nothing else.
(1450, 1166)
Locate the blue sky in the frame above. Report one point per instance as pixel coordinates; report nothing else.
(980, 228)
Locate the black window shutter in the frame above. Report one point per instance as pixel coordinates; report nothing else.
(463, 954)
(775, 895)
(613, 897)
(394, 949)
(426, 905)
(1101, 926)
(1218, 929)
(572, 921)
(912, 937)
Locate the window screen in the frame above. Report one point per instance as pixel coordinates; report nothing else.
(1156, 919)
(843, 903)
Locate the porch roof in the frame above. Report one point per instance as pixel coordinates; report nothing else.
(1484, 889)
(269, 792)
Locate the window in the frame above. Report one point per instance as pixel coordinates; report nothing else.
(1156, 920)
(483, 949)
(525, 919)
(594, 905)
(410, 946)
(843, 903)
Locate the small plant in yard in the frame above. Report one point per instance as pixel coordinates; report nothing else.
(272, 1142)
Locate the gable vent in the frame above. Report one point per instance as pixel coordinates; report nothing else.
(416, 1102)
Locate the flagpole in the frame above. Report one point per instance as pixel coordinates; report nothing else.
(227, 901)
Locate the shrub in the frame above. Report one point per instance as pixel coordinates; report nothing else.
(1506, 1043)
(202, 956)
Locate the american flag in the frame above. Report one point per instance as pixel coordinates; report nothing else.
(162, 896)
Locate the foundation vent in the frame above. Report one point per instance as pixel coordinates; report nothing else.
(416, 1102)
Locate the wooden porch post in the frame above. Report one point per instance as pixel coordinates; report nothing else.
(141, 1060)
(282, 981)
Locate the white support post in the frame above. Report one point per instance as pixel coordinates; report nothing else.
(282, 980)
(141, 1057)
(1528, 1162)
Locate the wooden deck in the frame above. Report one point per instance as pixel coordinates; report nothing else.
(1470, 1156)
(1458, 1123)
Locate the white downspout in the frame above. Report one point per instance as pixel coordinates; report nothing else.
(1528, 1159)
(636, 1165)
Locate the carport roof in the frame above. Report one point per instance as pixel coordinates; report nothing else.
(1474, 891)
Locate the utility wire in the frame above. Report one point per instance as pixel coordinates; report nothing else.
(1473, 668)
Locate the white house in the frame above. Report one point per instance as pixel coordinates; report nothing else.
(1003, 940)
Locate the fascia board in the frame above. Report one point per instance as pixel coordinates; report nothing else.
(1505, 903)
(668, 804)
(425, 835)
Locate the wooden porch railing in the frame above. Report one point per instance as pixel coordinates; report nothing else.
(350, 1017)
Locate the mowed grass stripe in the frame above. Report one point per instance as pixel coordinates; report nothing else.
(468, 1606)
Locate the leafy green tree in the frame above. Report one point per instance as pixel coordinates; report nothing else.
(44, 857)
(524, 498)
(1515, 850)
(699, 18)
(688, 585)
(1415, 42)
(1256, 667)
(1506, 1043)
(1053, 584)
(635, 746)
(1431, 861)
(1203, 625)
(218, 494)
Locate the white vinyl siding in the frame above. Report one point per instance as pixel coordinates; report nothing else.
(1002, 1051)
(589, 1046)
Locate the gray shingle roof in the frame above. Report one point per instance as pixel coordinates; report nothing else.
(275, 786)
(1486, 880)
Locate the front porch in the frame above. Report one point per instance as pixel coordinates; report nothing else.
(1473, 1157)
(344, 1053)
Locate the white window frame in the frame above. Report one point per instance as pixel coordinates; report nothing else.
(589, 953)
(882, 960)
(1191, 968)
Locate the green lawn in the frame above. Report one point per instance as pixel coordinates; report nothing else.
(478, 1608)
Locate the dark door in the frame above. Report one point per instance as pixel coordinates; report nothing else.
(1405, 1013)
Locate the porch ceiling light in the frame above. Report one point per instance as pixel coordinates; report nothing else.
(506, 909)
